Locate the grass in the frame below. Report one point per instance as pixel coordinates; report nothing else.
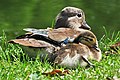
(13, 68)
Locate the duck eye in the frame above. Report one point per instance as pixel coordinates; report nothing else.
(79, 15)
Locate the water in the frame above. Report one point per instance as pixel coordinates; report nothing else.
(18, 14)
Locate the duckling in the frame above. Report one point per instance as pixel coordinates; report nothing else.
(71, 17)
(89, 39)
(84, 47)
(51, 40)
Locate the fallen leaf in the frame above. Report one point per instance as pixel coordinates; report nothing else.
(56, 72)
(113, 49)
(115, 46)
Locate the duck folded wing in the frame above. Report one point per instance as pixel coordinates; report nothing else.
(30, 42)
(59, 34)
(35, 40)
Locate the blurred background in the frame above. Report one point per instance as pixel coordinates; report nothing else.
(18, 14)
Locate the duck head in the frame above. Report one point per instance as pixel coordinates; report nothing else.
(71, 17)
(88, 38)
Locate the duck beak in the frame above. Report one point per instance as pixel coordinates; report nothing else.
(96, 48)
(85, 26)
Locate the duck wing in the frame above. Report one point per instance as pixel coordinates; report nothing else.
(30, 42)
(59, 34)
(46, 37)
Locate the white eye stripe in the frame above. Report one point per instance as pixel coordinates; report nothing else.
(70, 18)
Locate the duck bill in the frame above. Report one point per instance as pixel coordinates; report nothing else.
(96, 48)
(85, 26)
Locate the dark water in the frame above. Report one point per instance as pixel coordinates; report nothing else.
(18, 14)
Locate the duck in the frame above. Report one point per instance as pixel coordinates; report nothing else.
(79, 52)
(71, 31)
(71, 17)
(52, 40)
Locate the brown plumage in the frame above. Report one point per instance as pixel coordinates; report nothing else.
(81, 42)
(72, 55)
